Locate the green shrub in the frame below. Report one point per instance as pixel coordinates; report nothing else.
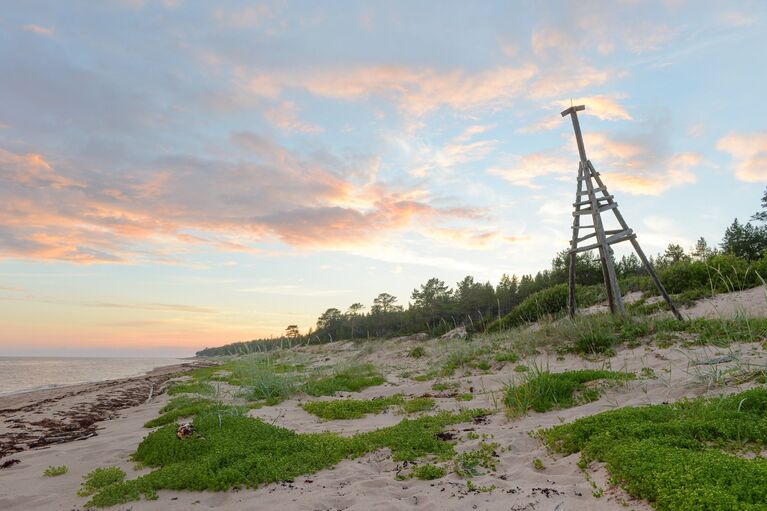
(418, 404)
(182, 406)
(543, 391)
(445, 385)
(467, 463)
(428, 472)
(506, 357)
(547, 302)
(338, 409)
(52, 471)
(417, 352)
(675, 455)
(237, 451)
(100, 479)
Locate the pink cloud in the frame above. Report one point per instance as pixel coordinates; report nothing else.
(186, 204)
(634, 167)
(39, 30)
(415, 91)
(285, 117)
(749, 155)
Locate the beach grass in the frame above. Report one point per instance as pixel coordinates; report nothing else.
(196, 387)
(541, 390)
(348, 378)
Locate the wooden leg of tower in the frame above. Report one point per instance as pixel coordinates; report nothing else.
(606, 278)
(616, 290)
(655, 279)
(571, 286)
(573, 245)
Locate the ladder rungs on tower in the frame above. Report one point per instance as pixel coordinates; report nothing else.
(610, 231)
(589, 179)
(597, 189)
(588, 201)
(609, 241)
(590, 211)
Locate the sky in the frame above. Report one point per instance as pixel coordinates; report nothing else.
(178, 174)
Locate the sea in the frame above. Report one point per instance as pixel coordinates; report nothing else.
(21, 374)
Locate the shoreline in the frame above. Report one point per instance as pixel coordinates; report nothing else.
(180, 362)
(41, 417)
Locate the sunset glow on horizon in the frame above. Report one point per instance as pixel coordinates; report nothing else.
(180, 174)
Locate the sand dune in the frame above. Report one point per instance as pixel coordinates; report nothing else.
(369, 482)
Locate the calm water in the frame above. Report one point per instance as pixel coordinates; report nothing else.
(18, 374)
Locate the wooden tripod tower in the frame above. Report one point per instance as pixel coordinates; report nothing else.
(592, 202)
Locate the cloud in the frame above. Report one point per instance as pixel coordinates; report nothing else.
(639, 167)
(247, 17)
(285, 117)
(158, 307)
(459, 150)
(648, 37)
(739, 19)
(415, 91)
(749, 155)
(31, 169)
(603, 107)
(526, 168)
(548, 123)
(182, 204)
(635, 166)
(39, 30)
(293, 290)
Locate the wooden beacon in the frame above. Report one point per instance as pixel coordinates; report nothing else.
(589, 202)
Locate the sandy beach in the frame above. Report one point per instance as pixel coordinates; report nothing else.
(101, 424)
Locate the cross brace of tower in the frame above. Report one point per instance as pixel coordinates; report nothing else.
(591, 200)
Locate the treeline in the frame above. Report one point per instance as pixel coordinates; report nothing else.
(435, 307)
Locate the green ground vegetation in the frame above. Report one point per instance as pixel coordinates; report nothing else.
(56, 471)
(417, 352)
(418, 404)
(235, 451)
(100, 479)
(339, 409)
(680, 456)
(541, 390)
(262, 378)
(351, 378)
(468, 463)
(196, 387)
(602, 334)
(445, 385)
(429, 472)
